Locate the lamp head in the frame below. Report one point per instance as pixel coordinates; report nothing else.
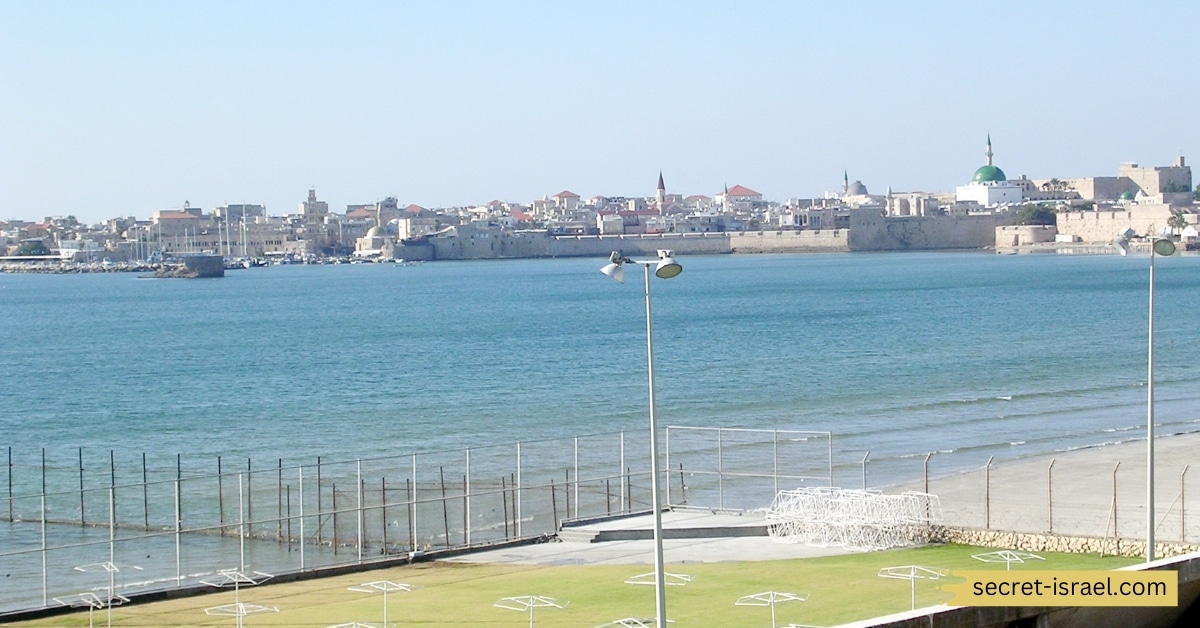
(614, 268)
(1164, 247)
(616, 271)
(667, 266)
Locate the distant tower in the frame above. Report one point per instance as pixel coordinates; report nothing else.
(314, 211)
(989, 149)
(845, 182)
(661, 194)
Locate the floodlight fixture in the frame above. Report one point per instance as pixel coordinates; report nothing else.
(664, 268)
(1164, 247)
(667, 267)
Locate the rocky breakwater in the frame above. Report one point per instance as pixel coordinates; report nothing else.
(194, 266)
(1043, 542)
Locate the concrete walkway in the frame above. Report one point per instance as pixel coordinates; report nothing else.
(706, 543)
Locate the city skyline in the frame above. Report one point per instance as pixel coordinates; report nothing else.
(123, 109)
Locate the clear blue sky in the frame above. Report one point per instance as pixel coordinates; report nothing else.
(121, 108)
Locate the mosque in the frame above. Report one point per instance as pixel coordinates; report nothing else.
(990, 186)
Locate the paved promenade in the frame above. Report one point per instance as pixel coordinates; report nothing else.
(1074, 496)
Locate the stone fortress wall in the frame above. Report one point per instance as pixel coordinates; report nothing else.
(869, 231)
(1104, 225)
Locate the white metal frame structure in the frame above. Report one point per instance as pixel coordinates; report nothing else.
(527, 603)
(912, 573)
(1008, 557)
(770, 598)
(383, 586)
(851, 518)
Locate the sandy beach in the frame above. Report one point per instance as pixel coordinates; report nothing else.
(1073, 493)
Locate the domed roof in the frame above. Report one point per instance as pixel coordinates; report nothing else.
(376, 232)
(1127, 195)
(856, 189)
(989, 174)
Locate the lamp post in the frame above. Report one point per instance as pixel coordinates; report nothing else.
(665, 267)
(1164, 247)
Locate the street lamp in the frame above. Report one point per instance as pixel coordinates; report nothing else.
(1164, 247)
(665, 267)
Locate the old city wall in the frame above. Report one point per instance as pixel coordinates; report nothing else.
(810, 241)
(515, 245)
(1103, 226)
(640, 245)
(871, 231)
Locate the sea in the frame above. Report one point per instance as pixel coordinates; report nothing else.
(968, 356)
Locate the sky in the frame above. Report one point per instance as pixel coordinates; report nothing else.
(122, 108)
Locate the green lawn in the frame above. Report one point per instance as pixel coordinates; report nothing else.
(841, 589)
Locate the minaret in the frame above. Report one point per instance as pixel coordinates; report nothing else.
(989, 149)
(845, 182)
(661, 194)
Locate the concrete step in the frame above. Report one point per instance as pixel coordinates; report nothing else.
(578, 535)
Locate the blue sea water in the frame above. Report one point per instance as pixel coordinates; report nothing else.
(969, 354)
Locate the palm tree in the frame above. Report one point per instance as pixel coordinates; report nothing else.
(1177, 222)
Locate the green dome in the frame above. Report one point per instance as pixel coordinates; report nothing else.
(989, 174)
(1127, 195)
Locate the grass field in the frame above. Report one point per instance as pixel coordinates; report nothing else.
(841, 588)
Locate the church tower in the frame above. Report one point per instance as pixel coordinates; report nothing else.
(661, 194)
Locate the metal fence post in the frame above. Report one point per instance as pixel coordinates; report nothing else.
(987, 494)
(517, 495)
(668, 463)
(145, 496)
(358, 477)
(300, 484)
(864, 469)
(467, 500)
(775, 460)
(178, 525)
(81, 506)
(720, 468)
(576, 492)
(1050, 497)
(829, 440)
(1114, 503)
(319, 510)
(1182, 507)
(416, 493)
(926, 471)
(621, 474)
